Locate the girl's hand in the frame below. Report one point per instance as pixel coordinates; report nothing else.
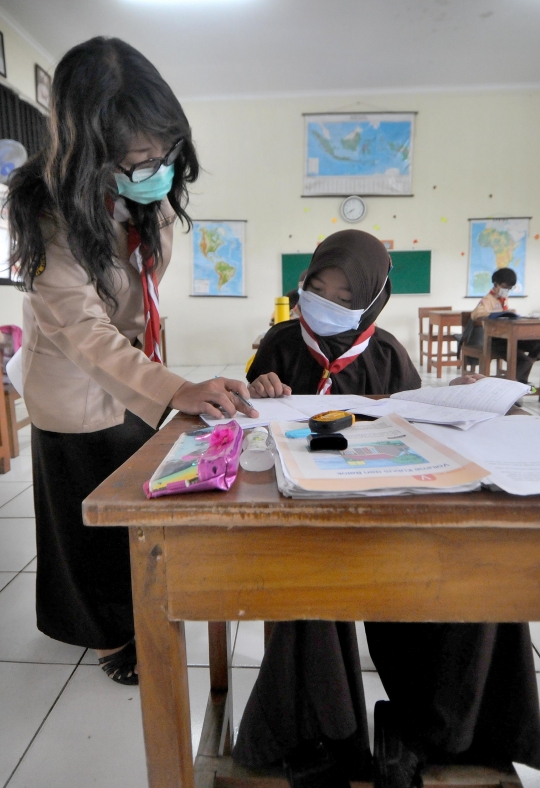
(269, 386)
(468, 377)
(205, 398)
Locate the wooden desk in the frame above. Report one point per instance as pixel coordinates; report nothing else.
(251, 554)
(512, 331)
(445, 320)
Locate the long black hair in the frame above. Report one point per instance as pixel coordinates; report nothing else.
(104, 92)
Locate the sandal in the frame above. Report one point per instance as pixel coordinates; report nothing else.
(395, 765)
(120, 666)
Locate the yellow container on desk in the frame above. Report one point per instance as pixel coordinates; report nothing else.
(282, 309)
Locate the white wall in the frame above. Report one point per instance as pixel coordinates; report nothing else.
(468, 145)
(21, 55)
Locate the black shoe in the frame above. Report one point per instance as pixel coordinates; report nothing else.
(310, 765)
(394, 766)
(353, 757)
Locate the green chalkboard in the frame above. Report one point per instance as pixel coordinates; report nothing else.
(292, 266)
(411, 272)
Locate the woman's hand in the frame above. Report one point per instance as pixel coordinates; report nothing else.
(269, 386)
(463, 380)
(205, 398)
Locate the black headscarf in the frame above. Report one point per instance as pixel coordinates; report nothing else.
(383, 368)
(366, 264)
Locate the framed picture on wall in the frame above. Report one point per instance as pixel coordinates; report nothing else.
(358, 153)
(43, 87)
(2, 56)
(493, 244)
(218, 258)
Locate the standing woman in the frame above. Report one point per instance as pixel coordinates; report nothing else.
(91, 221)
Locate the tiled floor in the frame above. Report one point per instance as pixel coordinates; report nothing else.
(62, 722)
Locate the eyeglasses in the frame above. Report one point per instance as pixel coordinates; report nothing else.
(145, 169)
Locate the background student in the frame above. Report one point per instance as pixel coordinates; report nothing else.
(458, 692)
(496, 301)
(91, 221)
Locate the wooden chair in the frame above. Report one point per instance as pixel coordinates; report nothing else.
(422, 333)
(13, 425)
(472, 355)
(5, 464)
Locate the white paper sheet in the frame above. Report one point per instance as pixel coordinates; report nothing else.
(495, 395)
(422, 412)
(508, 446)
(269, 410)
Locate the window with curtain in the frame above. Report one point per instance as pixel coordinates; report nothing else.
(22, 122)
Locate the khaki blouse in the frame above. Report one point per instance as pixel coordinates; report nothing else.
(81, 370)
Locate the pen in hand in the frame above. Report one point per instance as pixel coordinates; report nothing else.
(242, 399)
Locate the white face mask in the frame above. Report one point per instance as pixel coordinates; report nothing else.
(326, 318)
(504, 292)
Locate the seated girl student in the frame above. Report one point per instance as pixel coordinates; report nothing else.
(457, 692)
(496, 301)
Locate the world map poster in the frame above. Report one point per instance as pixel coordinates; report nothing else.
(365, 154)
(218, 258)
(496, 243)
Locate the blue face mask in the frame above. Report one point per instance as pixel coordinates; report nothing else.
(328, 319)
(155, 188)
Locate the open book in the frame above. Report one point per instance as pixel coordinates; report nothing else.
(456, 406)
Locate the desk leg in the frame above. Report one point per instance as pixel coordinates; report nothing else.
(12, 424)
(162, 666)
(511, 358)
(440, 345)
(485, 361)
(217, 656)
(220, 659)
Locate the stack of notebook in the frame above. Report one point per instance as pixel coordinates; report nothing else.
(384, 457)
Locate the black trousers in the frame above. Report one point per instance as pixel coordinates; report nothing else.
(83, 594)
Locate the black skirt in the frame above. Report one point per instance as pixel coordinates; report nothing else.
(83, 594)
(309, 687)
(464, 693)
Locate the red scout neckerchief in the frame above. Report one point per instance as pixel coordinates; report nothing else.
(145, 267)
(332, 368)
(503, 302)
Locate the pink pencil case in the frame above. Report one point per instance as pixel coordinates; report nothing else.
(203, 459)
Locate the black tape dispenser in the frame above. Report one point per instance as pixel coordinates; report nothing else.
(325, 427)
(330, 421)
